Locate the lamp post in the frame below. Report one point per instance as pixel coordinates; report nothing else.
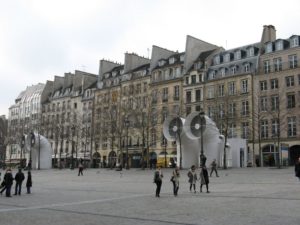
(127, 125)
(32, 143)
(72, 146)
(202, 123)
(22, 147)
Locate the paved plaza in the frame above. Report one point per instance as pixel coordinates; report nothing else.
(239, 196)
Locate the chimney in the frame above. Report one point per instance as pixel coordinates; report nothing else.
(269, 34)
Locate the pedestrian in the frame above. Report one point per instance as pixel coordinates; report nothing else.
(214, 167)
(19, 180)
(175, 180)
(158, 175)
(192, 178)
(204, 178)
(29, 182)
(80, 169)
(8, 178)
(297, 169)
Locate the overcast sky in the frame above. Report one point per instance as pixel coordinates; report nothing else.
(43, 38)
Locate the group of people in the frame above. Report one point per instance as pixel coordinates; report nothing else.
(192, 178)
(8, 179)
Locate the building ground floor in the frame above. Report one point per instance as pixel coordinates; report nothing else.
(271, 155)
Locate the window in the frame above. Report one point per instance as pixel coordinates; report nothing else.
(217, 60)
(251, 52)
(210, 92)
(198, 95)
(232, 109)
(198, 108)
(245, 108)
(263, 104)
(277, 64)
(176, 92)
(154, 96)
(164, 114)
(187, 80)
(165, 95)
(212, 75)
(274, 102)
(293, 61)
(291, 101)
(292, 128)
(264, 129)
(227, 57)
(193, 79)
(289, 81)
(238, 55)
(188, 97)
(233, 70)
(244, 86)
(295, 42)
(223, 72)
(275, 127)
(274, 84)
(263, 85)
(267, 66)
(210, 111)
(221, 111)
(153, 137)
(231, 88)
(279, 45)
(221, 90)
(245, 130)
(247, 67)
(232, 130)
(269, 47)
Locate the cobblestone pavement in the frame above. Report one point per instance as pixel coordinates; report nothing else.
(239, 196)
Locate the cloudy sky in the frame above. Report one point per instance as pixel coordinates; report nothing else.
(43, 38)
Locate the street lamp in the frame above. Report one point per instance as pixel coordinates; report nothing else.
(72, 150)
(22, 147)
(202, 124)
(127, 122)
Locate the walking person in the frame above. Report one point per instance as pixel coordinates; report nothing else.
(297, 169)
(80, 169)
(29, 182)
(8, 179)
(214, 167)
(192, 175)
(204, 178)
(19, 180)
(158, 175)
(175, 180)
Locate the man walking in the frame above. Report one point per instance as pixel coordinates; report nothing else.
(297, 169)
(19, 180)
(214, 167)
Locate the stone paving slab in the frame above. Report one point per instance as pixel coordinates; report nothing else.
(101, 196)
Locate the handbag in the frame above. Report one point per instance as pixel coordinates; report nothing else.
(172, 179)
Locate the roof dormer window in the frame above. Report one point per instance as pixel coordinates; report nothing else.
(217, 60)
(238, 55)
(114, 73)
(294, 41)
(227, 57)
(161, 63)
(212, 75)
(182, 58)
(106, 75)
(223, 72)
(279, 45)
(269, 47)
(251, 52)
(172, 60)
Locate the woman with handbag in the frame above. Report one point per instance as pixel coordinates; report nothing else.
(192, 175)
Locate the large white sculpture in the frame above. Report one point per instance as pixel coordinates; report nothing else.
(41, 151)
(187, 134)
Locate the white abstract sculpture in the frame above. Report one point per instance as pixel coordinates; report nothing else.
(187, 134)
(41, 151)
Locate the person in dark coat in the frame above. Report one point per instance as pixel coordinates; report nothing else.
(204, 178)
(158, 175)
(28, 182)
(297, 169)
(19, 180)
(80, 169)
(192, 175)
(8, 178)
(214, 167)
